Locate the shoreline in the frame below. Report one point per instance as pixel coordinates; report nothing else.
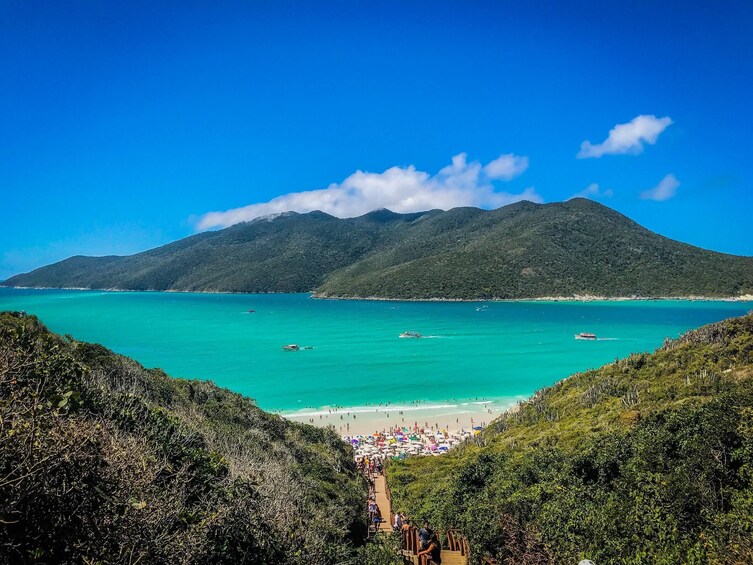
(574, 298)
(317, 296)
(455, 414)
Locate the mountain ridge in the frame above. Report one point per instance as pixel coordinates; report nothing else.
(523, 250)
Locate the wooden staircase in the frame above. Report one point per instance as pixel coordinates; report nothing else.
(455, 551)
(383, 501)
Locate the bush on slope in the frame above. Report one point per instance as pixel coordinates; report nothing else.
(646, 460)
(104, 461)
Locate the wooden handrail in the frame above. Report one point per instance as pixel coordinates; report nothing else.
(410, 543)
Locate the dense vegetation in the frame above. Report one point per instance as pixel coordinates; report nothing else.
(103, 461)
(519, 251)
(645, 460)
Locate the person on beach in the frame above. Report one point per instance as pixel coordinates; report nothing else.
(433, 550)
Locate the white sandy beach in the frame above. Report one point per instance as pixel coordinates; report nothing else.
(363, 420)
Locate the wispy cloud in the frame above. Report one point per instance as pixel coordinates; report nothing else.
(627, 138)
(401, 189)
(593, 191)
(665, 190)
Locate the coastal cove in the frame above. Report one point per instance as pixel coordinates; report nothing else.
(471, 353)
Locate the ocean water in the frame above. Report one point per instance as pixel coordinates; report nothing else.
(482, 350)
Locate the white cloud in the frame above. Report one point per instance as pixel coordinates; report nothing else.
(593, 191)
(400, 189)
(506, 167)
(627, 138)
(665, 190)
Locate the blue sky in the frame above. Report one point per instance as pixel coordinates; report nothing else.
(124, 124)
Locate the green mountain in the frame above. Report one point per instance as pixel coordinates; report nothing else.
(522, 250)
(103, 461)
(646, 460)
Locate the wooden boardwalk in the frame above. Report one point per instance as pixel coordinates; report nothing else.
(383, 501)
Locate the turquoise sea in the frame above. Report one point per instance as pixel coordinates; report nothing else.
(490, 350)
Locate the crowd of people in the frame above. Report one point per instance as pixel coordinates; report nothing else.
(401, 442)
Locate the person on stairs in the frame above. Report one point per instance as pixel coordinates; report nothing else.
(424, 535)
(433, 551)
(398, 525)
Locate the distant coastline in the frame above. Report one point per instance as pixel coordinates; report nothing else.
(324, 296)
(575, 298)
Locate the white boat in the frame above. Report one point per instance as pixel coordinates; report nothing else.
(413, 335)
(291, 347)
(586, 335)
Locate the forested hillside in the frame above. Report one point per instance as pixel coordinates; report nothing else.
(646, 460)
(103, 461)
(523, 250)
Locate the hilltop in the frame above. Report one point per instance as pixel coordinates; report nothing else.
(523, 250)
(103, 461)
(647, 459)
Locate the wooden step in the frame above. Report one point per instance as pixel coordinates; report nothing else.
(453, 558)
(449, 558)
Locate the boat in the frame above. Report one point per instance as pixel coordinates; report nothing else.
(585, 335)
(291, 347)
(410, 334)
(251, 311)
